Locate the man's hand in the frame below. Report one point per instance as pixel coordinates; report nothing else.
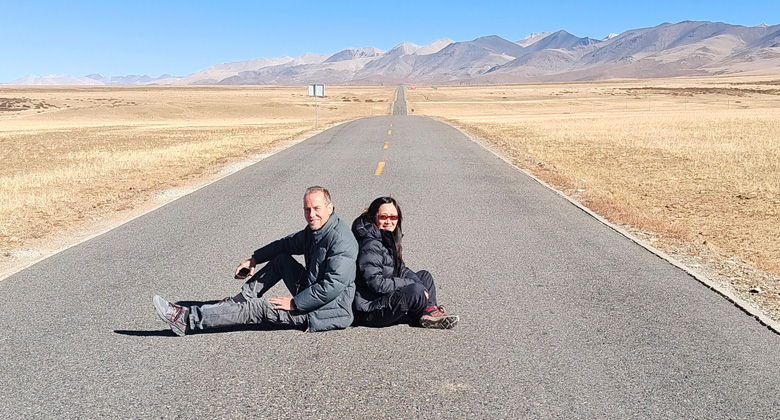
(282, 303)
(245, 269)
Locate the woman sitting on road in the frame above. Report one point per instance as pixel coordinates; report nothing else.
(386, 289)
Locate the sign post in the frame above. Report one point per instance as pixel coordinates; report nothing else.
(318, 91)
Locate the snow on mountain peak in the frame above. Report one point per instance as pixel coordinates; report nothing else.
(533, 38)
(404, 48)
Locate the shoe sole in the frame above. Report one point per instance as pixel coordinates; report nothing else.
(443, 323)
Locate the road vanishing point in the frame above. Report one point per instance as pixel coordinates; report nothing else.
(561, 315)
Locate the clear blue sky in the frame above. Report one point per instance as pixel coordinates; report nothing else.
(181, 37)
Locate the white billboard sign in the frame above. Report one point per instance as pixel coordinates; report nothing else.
(317, 90)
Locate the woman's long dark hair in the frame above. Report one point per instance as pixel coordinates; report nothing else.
(373, 212)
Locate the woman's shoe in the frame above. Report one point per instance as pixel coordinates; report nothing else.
(439, 318)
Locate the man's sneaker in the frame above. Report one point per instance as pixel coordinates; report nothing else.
(176, 316)
(438, 318)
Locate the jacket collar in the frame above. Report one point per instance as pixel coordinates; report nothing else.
(318, 234)
(364, 228)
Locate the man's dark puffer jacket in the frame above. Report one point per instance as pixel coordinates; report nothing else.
(376, 269)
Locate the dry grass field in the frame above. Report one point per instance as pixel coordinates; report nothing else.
(692, 166)
(75, 157)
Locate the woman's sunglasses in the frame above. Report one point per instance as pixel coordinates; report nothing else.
(392, 217)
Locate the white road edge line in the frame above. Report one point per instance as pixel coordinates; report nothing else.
(742, 304)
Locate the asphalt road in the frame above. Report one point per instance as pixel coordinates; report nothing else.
(561, 316)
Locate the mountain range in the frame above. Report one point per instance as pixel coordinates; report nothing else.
(668, 50)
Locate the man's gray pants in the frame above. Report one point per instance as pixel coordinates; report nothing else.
(249, 307)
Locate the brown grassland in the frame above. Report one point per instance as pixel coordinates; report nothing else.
(690, 166)
(77, 159)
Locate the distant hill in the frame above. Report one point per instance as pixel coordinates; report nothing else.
(90, 79)
(667, 50)
(54, 79)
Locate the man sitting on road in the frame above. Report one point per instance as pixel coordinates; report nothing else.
(322, 291)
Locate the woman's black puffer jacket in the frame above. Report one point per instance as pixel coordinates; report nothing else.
(377, 272)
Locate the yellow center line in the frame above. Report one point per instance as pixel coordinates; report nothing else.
(389, 132)
(379, 167)
(387, 144)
